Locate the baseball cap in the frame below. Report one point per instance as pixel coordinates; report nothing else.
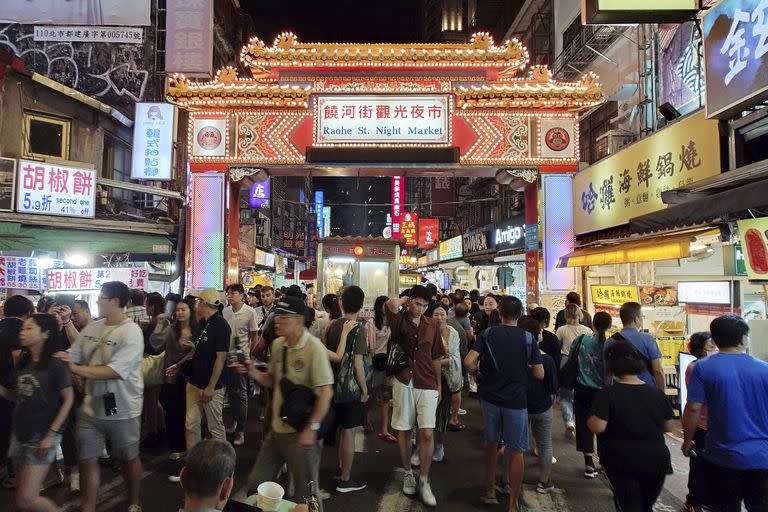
(289, 305)
(207, 295)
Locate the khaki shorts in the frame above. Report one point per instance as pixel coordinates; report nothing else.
(413, 406)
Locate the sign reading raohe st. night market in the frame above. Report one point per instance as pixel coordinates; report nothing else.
(735, 55)
(630, 183)
(390, 119)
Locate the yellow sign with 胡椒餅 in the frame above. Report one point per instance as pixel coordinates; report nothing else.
(754, 244)
(629, 183)
(614, 295)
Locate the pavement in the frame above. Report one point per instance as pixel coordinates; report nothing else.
(457, 482)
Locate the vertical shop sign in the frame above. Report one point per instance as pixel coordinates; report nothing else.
(153, 141)
(408, 228)
(428, 233)
(25, 273)
(443, 197)
(258, 195)
(189, 37)
(326, 220)
(319, 222)
(398, 192)
(53, 189)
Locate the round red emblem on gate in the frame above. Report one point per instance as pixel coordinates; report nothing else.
(209, 137)
(557, 139)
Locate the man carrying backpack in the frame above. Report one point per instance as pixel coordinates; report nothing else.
(347, 345)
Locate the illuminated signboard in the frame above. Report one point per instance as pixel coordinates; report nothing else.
(638, 11)
(408, 228)
(705, 292)
(614, 295)
(153, 141)
(258, 195)
(428, 232)
(82, 279)
(478, 241)
(398, 192)
(451, 249)
(510, 234)
(735, 56)
(390, 119)
(55, 189)
(319, 222)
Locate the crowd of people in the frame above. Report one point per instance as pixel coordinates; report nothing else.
(322, 374)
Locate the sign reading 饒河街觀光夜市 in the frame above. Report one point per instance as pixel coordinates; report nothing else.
(630, 183)
(735, 56)
(382, 119)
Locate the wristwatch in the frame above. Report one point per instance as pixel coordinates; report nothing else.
(314, 426)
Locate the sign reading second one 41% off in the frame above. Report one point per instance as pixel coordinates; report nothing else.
(55, 189)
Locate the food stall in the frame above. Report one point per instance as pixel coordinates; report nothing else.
(372, 263)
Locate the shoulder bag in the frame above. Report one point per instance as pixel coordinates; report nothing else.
(569, 373)
(398, 358)
(347, 387)
(299, 402)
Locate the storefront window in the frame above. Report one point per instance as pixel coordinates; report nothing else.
(374, 279)
(338, 272)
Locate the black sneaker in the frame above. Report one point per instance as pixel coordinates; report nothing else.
(349, 486)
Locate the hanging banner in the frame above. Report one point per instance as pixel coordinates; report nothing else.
(754, 237)
(84, 279)
(630, 183)
(443, 197)
(258, 195)
(326, 221)
(55, 189)
(408, 228)
(429, 230)
(189, 37)
(153, 141)
(398, 193)
(319, 222)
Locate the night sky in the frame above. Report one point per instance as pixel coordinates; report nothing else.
(346, 21)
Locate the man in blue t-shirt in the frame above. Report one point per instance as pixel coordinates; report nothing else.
(631, 314)
(733, 385)
(505, 355)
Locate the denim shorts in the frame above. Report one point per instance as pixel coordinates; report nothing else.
(27, 450)
(509, 425)
(93, 433)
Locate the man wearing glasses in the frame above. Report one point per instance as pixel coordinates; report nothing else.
(107, 354)
(631, 314)
(416, 390)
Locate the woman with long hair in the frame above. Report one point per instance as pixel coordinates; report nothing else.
(700, 345)
(588, 382)
(177, 338)
(331, 306)
(44, 396)
(630, 419)
(379, 333)
(451, 378)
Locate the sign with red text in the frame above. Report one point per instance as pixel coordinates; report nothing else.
(25, 273)
(398, 192)
(84, 279)
(55, 189)
(408, 228)
(429, 230)
(384, 119)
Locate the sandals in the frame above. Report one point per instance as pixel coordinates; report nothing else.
(387, 437)
(457, 427)
(489, 500)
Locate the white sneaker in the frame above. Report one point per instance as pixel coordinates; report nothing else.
(174, 479)
(425, 492)
(462, 412)
(409, 484)
(570, 431)
(439, 454)
(415, 460)
(74, 482)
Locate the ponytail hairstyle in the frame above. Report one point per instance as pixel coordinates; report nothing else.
(49, 325)
(602, 321)
(331, 305)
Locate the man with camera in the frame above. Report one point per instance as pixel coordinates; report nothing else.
(107, 354)
(299, 366)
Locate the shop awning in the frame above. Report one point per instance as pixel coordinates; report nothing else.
(309, 274)
(668, 247)
(16, 237)
(705, 209)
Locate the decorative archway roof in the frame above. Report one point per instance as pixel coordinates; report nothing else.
(481, 52)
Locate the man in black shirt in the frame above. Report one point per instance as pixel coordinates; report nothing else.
(573, 298)
(549, 343)
(205, 387)
(16, 309)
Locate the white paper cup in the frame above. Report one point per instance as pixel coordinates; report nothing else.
(270, 495)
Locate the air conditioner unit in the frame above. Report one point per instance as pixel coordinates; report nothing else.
(612, 141)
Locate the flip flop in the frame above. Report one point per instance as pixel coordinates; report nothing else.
(486, 500)
(458, 427)
(387, 437)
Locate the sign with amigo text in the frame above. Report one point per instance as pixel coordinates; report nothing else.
(510, 234)
(390, 119)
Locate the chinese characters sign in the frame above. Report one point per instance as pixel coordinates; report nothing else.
(389, 119)
(53, 189)
(630, 183)
(735, 55)
(188, 37)
(429, 230)
(614, 295)
(23, 273)
(258, 195)
(443, 197)
(88, 34)
(152, 141)
(408, 223)
(398, 192)
(478, 241)
(319, 221)
(293, 239)
(451, 249)
(63, 280)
